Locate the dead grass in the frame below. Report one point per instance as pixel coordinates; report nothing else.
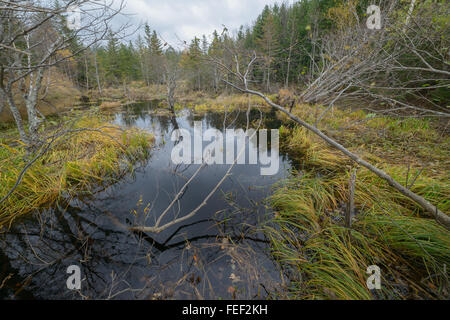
(308, 236)
(110, 104)
(62, 95)
(134, 91)
(76, 164)
(201, 103)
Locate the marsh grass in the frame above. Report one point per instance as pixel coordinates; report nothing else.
(395, 140)
(224, 103)
(77, 163)
(135, 91)
(327, 260)
(110, 104)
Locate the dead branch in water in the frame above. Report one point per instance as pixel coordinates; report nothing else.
(157, 228)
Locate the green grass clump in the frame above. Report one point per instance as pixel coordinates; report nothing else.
(326, 260)
(395, 140)
(202, 108)
(308, 236)
(300, 144)
(77, 162)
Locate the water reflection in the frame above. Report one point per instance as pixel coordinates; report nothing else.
(216, 254)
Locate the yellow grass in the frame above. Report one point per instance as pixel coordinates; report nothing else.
(77, 163)
(308, 234)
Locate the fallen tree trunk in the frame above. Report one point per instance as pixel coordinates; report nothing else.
(440, 217)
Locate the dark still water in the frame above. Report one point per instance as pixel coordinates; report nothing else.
(218, 253)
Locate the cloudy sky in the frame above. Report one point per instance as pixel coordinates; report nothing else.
(184, 19)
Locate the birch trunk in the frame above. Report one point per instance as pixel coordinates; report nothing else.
(16, 114)
(96, 74)
(31, 102)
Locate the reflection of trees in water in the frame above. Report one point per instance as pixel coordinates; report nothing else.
(44, 251)
(142, 111)
(165, 123)
(139, 111)
(173, 120)
(136, 111)
(114, 262)
(234, 119)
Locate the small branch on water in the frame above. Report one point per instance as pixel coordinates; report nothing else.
(157, 228)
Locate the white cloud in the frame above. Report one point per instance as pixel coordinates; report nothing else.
(189, 18)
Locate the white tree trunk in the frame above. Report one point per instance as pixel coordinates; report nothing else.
(31, 102)
(16, 114)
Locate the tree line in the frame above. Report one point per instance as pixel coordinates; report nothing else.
(320, 45)
(321, 51)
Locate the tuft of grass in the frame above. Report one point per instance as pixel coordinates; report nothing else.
(230, 103)
(110, 104)
(135, 91)
(312, 152)
(77, 163)
(326, 260)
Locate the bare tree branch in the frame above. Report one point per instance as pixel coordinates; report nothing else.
(440, 217)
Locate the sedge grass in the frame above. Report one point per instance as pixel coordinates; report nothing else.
(76, 164)
(326, 260)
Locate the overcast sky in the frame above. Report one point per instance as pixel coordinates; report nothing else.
(188, 18)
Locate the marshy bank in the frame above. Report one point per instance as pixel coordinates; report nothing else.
(280, 236)
(220, 253)
(309, 235)
(92, 154)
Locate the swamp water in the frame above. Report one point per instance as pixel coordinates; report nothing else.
(218, 253)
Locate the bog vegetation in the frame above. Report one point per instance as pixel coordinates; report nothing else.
(309, 233)
(382, 94)
(93, 155)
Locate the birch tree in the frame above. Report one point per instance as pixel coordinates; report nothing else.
(31, 42)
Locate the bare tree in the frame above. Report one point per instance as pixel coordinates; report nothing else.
(241, 84)
(403, 59)
(34, 37)
(172, 74)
